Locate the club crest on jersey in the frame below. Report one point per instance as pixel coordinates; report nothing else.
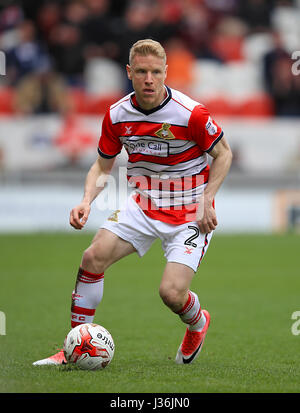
(164, 132)
(114, 216)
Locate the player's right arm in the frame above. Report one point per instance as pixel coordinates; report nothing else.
(94, 183)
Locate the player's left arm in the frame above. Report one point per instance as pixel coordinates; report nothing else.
(222, 157)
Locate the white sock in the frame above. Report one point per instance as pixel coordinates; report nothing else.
(191, 313)
(85, 298)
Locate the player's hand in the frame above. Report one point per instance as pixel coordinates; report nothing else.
(79, 215)
(206, 216)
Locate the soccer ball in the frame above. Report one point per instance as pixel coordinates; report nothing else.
(89, 346)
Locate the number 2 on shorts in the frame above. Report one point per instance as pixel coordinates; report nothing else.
(189, 240)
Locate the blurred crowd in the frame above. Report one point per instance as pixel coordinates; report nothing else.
(48, 44)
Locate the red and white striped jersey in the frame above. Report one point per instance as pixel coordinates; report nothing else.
(167, 152)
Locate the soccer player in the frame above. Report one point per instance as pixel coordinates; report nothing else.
(167, 136)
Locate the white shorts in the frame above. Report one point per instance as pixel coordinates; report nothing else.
(181, 243)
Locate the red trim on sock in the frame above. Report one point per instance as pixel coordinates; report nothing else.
(187, 305)
(90, 274)
(89, 277)
(196, 318)
(82, 310)
(75, 324)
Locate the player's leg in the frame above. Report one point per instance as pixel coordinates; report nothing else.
(175, 293)
(175, 284)
(186, 247)
(105, 249)
(123, 233)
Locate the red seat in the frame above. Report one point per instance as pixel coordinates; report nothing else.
(85, 104)
(7, 97)
(99, 104)
(259, 105)
(77, 99)
(219, 106)
(228, 47)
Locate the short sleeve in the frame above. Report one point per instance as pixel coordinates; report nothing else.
(109, 144)
(203, 129)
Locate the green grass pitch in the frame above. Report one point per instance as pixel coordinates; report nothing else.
(249, 283)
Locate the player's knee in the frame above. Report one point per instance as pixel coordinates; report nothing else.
(171, 297)
(94, 260)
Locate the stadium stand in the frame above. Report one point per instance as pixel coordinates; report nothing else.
(83, 45)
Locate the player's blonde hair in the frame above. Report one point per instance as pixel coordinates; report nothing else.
(145, 47)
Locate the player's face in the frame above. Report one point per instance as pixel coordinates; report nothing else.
(148, 74)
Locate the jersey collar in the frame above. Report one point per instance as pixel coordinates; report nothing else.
(134, 103)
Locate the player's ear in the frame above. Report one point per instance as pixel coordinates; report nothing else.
(166, 71)
(128, 69)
